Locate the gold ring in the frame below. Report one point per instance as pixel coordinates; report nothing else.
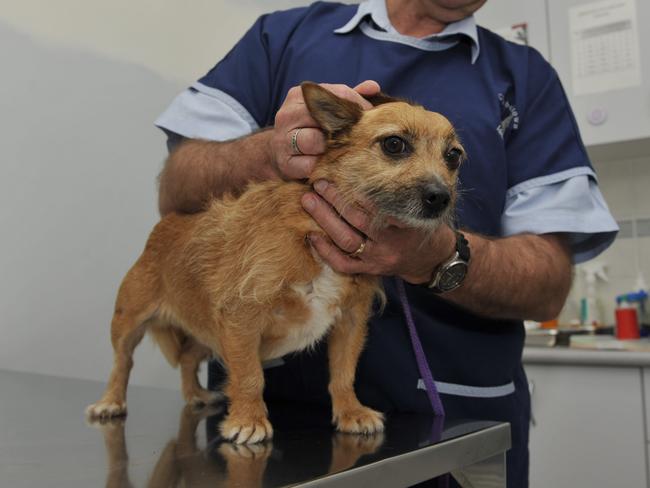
(294, 143)
(359, 250)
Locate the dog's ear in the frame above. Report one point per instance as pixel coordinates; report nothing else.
(335, 115)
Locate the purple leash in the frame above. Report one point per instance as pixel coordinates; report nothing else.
(425, 373)
(423, 366)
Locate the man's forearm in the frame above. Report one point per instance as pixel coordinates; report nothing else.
(198, 170)
(524, 276)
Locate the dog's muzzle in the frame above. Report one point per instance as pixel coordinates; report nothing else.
(435, 200)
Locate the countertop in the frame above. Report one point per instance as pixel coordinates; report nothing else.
(45, 442)
(572, 356)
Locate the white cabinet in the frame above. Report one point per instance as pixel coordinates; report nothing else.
(589, 427)
(616, 115)
(645, 373)
(606, 116)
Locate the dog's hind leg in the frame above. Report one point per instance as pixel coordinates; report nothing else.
(136, 303)
(190, 359)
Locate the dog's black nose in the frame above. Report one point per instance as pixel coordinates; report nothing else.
(434, 201)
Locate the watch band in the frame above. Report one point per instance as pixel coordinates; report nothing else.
(462, 247)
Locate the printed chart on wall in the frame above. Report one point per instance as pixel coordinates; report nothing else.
(604, 46)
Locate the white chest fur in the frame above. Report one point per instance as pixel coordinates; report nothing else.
(322, 297)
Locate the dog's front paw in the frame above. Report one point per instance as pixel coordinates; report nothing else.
(234, 452)
(246, 464)
(359, 420)
(246, 430)
(105, 410)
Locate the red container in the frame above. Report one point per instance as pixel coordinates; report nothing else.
(627, 323)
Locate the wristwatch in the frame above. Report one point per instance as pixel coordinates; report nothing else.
(451, 274)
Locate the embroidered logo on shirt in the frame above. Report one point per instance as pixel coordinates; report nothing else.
(509, 116)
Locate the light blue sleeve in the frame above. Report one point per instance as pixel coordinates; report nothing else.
(568, 202)
(201, 112)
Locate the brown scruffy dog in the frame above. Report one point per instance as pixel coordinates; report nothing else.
(240, 281)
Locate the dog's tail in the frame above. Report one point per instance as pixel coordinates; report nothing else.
(170, 341)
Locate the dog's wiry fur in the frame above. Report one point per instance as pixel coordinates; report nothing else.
(240, 281)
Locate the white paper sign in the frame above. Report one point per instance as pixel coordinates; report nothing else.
(604, 46)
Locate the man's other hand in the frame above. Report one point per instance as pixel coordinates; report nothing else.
(296, 159)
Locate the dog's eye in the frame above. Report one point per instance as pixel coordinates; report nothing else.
(453, 158)
(394, 145)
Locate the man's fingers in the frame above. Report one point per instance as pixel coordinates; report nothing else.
(335, 258)
(344, 236)
(344, 91)
(352, 212)
(368, 88)
(294, 115)
(294, 151)
(308, 141)
(297, 167)
(300, 156)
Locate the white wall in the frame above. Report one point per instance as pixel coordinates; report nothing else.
(82, 82)
(178, 40)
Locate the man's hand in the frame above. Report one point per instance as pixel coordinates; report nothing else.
(293, 116)
(524, 276)
(352, 246)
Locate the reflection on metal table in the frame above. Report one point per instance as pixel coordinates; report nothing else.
(45, 442)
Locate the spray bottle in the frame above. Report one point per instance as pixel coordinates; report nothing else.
(590, 314)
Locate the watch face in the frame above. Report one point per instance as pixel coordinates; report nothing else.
(452, 276)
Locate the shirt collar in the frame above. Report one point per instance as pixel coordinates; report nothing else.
(377, 10)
